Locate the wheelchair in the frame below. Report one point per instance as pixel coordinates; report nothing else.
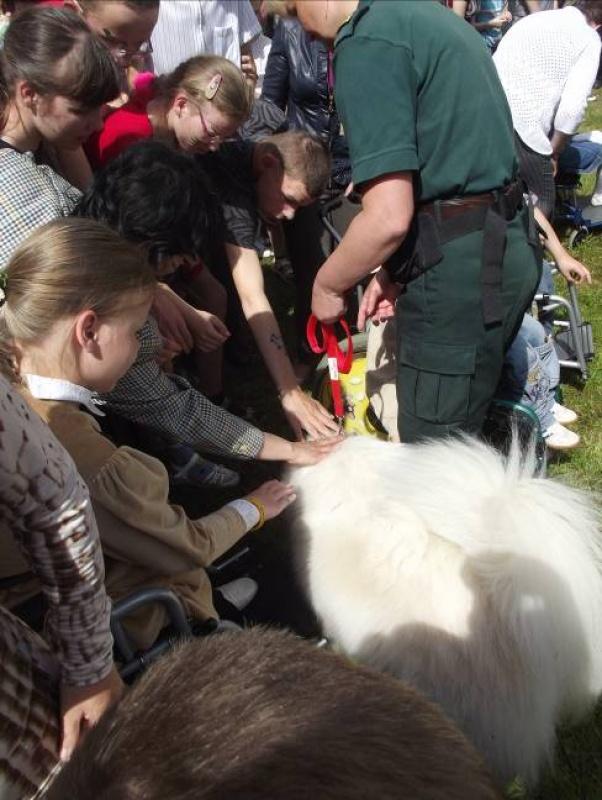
(132, 662)
(573, 336)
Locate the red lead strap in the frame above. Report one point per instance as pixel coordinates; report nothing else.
(338, 361)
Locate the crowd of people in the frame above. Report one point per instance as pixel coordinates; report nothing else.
(150, 152)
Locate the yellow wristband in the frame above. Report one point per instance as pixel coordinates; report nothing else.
(260, 508)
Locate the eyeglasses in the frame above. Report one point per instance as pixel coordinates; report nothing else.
(121, 50)
(212, 136)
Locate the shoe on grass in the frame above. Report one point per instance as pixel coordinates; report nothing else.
(557, 437)
(188, 468)
(564, 415)
(239, 593)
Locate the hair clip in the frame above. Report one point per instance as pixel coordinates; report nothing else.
(213, 86)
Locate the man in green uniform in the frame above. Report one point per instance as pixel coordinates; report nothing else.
(431, 143)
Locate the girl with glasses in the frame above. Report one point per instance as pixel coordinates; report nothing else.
(196, 107)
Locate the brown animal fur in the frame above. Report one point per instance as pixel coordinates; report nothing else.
(262, 714)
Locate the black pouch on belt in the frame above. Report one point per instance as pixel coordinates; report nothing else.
(419, 251)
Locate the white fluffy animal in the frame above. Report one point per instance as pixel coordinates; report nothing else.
(452, 568)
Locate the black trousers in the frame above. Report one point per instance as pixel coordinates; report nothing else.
(538, 173)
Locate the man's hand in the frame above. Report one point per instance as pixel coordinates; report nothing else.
(328, 306)
(82, 707)
(378, 302)
(207, 330)
(306, 414)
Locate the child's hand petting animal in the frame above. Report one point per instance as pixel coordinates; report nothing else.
(274, 497)
(306, 453)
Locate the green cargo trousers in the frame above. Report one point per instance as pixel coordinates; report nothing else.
(448, 361)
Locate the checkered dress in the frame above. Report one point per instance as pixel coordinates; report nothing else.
(171, 406)
(30, 195)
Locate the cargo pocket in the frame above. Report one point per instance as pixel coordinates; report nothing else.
(435, 380)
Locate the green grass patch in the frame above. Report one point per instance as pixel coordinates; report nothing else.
(577, 770)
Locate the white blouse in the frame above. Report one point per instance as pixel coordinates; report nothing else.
(547, 64)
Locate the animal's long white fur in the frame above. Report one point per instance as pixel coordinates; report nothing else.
(454, 569)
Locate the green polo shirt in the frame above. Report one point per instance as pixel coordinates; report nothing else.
(417, 90)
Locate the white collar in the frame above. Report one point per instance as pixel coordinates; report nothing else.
(58, 389)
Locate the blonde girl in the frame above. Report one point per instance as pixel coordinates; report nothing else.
(196, 107)
(76, 298)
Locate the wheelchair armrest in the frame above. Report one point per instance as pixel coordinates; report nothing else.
(155, 596)
(227, 561)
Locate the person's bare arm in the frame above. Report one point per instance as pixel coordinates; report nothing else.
(571, 269)
(185, 325)
(298, 454)
(302, 411)
(373, 235)
(459, 7)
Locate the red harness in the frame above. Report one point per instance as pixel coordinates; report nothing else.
(338, 360)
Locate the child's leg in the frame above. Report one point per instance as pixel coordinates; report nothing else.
(525, 378)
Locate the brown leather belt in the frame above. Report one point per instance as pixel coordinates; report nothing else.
(455, 206)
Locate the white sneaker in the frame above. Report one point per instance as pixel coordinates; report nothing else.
(558, 437)
(564, 415)
(239, 592)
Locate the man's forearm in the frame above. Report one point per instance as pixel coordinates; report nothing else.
(369, 242)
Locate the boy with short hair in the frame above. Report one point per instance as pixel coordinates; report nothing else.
(263, 182)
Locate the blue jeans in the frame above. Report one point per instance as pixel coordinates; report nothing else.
(580, 156)
(531, 371)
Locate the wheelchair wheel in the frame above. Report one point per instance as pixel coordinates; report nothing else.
(577, 236)
(507, 420)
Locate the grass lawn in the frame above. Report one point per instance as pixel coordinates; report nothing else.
(584, 465)
(577, 773)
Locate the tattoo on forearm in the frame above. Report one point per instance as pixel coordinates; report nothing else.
(277, 341)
